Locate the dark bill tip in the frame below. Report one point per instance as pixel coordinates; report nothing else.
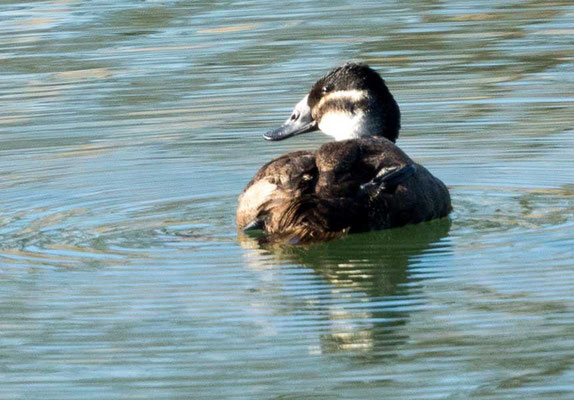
(288, 130)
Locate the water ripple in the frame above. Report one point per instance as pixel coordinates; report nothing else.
(128, 130)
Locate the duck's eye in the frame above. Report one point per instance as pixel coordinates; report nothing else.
(295, 115)
(326, 89)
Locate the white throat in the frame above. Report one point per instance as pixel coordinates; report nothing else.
(343, 125)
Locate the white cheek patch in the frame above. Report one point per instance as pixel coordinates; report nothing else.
(344, 125)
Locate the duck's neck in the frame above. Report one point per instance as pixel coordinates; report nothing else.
(390, 115)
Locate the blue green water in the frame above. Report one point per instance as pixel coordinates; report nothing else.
(128, 129)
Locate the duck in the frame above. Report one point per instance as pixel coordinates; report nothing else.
(361, 181)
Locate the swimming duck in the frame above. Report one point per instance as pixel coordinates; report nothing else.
(362, 181)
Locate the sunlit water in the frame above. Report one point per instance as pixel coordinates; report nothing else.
(128, 129)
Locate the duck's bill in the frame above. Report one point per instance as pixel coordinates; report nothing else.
(300, 121)
(286, 131)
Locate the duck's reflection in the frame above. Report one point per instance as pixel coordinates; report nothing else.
(371, 281)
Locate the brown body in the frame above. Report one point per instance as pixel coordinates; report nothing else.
(307, 196)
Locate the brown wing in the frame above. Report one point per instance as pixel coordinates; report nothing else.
(416, 197)
(281, 179)
(420, 197)
(335, 204)
(340, 203)
(345, 166)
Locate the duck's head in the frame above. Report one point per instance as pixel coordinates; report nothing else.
(349, 102)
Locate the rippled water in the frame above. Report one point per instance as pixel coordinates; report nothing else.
(128, 129)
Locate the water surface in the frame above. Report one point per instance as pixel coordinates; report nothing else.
(128, 129)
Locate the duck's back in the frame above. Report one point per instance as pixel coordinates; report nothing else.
(305, 196)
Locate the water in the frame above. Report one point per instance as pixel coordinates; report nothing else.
(128, 129)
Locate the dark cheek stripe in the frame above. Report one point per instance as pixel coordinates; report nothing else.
(340, 105)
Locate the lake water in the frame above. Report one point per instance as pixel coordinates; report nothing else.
(128, 129)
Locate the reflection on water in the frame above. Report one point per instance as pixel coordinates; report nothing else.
(371, 285)
(128, 129)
